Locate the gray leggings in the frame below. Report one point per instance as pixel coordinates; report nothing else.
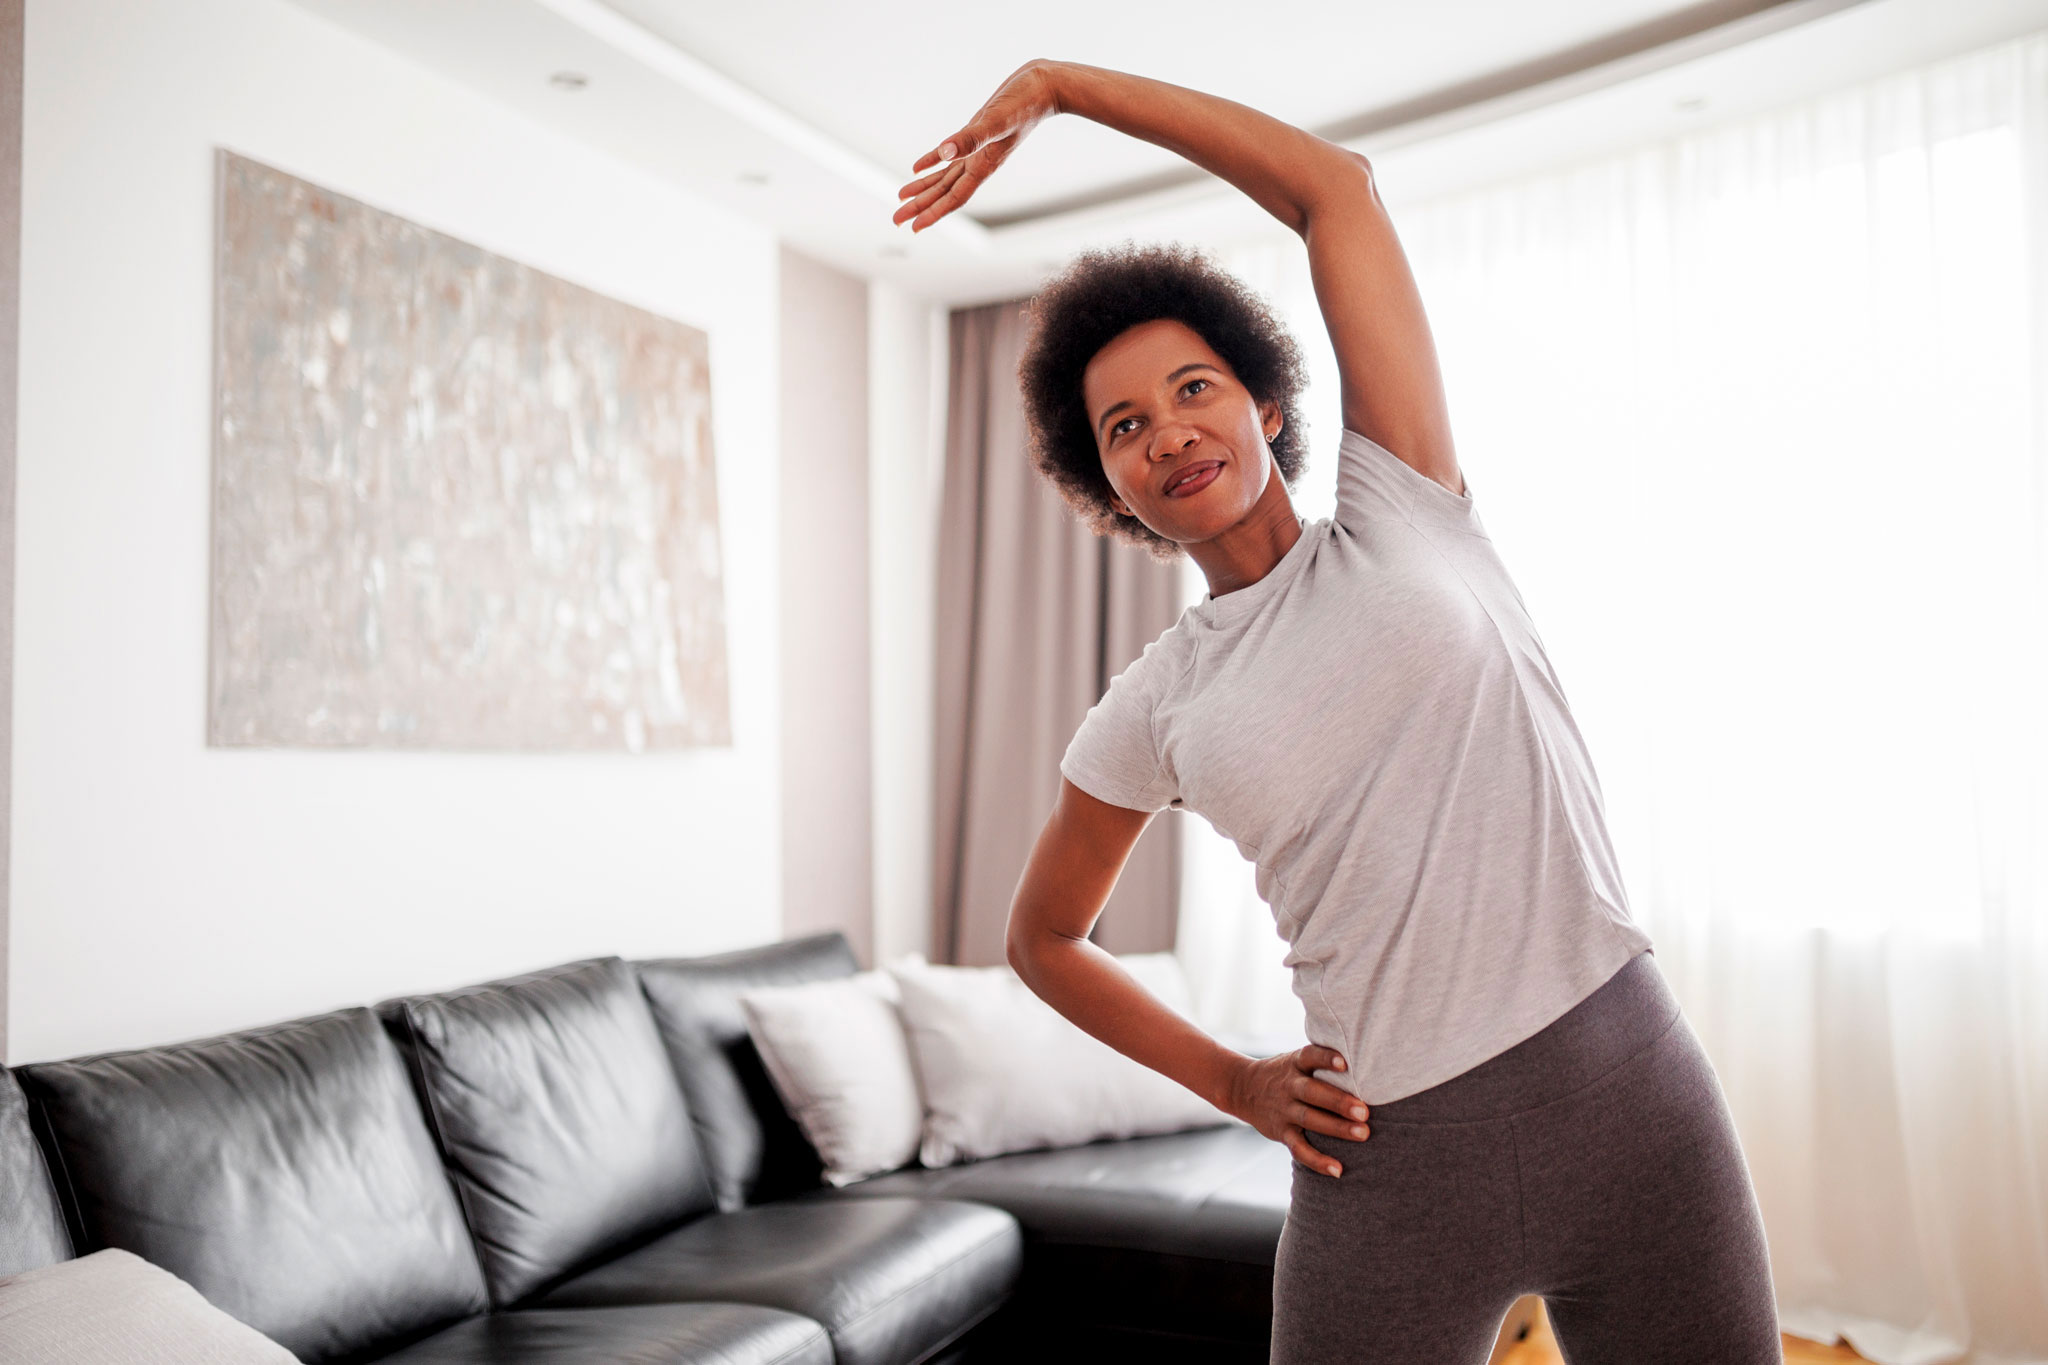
(1593, 1163)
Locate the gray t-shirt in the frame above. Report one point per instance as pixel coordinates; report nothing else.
(1375, 724)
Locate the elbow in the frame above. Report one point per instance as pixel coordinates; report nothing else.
(1018, 952)
(1356, 161)
(1350, 179)
(1032, 954)
(1359, 178)
(1016, 944)
(1021, 946)
(1365, 178)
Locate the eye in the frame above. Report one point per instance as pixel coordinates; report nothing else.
(1118, 429)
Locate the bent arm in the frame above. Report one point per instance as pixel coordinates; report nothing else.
(1392, 386)
(1073, 867)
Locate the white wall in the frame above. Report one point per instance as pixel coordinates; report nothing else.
(161, 889)
(906, 433)
(827, 754)
(10, 356)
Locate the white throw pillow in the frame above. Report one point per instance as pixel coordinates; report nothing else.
(1002, 1071)
(114, 1308)
(835, 1051)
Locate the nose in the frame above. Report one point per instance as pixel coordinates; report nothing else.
(1171, 442)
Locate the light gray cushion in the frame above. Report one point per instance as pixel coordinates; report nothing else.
(1003, 1071)
(114, 1308)
(836, 1052)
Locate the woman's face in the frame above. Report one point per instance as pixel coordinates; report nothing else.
(1167, 410)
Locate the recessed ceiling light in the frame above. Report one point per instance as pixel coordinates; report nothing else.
(1691, 104)
(568, 80)
(753, 177)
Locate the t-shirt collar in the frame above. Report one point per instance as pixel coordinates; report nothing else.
(1235, 605)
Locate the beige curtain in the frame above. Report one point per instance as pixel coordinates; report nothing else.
(1034, 616)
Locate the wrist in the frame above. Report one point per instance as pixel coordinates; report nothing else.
(1066, 80)
(1227, 1089)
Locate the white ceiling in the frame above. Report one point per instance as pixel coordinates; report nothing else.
(889, 81)
(806, 115)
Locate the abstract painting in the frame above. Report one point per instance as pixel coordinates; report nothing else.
(458, 503)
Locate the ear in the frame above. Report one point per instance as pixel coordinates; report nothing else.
(1117, 505)
(1271, 420)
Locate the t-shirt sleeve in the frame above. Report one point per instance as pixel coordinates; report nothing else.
(1374, 484)
(1114, 756)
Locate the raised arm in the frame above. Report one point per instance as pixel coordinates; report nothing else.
(1392, 386)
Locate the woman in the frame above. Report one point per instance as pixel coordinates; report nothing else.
(1500, 1096)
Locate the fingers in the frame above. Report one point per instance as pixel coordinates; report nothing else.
(1316, 1057)
(950, 193)
(933, 209)
(1309, 1156)
(952, 149)
(972, 155)
(920, 185)
(1323, 1121)
(929, 197)
(1327, 1096)
(1329, 1108)
(918, 205)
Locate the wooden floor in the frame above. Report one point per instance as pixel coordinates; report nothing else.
(1540, 1348)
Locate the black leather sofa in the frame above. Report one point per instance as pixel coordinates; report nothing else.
(589, 1163)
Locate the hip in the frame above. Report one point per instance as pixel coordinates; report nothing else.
(1626, 1014)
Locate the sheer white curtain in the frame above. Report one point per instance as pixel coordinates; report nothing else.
(1758, 418)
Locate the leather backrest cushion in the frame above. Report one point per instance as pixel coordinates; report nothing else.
(32, 1232)
(286, 1173)
(755, 1150)
(558, 1116)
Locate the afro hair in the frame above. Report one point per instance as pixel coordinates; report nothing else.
(1105, 292)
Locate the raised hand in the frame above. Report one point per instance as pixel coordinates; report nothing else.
(1281, 1097)
(1023, 101)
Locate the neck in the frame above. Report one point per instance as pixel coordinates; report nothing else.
(1248, 551)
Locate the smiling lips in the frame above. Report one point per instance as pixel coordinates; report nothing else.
(1194, 478)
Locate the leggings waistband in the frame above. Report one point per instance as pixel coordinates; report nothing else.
(1630, 1011)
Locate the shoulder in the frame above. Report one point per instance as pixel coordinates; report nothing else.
(1373, 483)
(1433, 460)
(1162, 662)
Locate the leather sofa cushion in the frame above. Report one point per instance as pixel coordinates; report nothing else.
(284, 1172)
(1215, 1192)
(892, 1280)
(32, 1232)
(754, 1150)
(558, 1115)
(1173, 1235)
(657, 1334)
